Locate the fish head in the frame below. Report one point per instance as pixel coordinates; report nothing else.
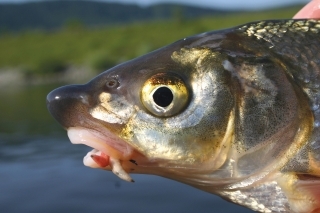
(167, 113)
(228, 112)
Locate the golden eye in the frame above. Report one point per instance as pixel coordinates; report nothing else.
(164, 94)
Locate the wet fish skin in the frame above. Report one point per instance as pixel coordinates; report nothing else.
(248, 125)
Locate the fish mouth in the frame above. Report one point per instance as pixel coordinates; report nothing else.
(70, 106)
(109, 151)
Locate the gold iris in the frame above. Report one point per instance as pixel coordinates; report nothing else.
(164, 94)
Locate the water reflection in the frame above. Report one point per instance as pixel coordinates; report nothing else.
(41, 171)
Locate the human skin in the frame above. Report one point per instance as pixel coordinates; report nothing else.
(311, 10)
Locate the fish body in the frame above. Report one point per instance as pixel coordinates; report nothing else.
(233, 112)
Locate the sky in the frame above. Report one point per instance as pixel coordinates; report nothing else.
(223, 4)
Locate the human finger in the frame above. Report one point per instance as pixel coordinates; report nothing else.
(311, 10)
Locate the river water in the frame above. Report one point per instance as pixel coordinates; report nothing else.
(41, 171)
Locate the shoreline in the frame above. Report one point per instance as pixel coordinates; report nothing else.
(13, 77)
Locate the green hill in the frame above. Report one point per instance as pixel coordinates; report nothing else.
(56, 14)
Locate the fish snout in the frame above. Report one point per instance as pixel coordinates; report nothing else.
(65, 103)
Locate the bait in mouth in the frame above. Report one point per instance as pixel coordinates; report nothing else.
(233, 112)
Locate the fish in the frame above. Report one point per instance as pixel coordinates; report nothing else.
(233, 112)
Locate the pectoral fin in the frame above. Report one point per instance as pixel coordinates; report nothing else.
(302, 191)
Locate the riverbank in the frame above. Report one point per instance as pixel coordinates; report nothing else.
(17, 77)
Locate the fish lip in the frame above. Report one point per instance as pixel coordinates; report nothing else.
(115, 154)
(104, 141)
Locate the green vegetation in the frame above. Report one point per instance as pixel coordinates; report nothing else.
(39, 52)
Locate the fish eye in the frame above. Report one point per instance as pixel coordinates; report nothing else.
(164, 94)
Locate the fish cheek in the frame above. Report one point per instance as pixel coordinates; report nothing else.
(112, 108)
(212, 105)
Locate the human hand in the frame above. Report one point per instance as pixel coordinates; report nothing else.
(311, 10)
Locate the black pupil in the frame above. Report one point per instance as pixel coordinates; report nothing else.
(163, 96)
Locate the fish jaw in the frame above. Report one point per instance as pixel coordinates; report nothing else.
(106, 143)
(115, 154)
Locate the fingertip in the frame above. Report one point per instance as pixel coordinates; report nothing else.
(311, 10)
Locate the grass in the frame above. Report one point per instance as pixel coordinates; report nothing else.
(41, 53)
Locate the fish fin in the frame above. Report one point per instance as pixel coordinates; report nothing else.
(302, 192)
(309, 187)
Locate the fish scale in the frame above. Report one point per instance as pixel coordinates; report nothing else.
(255, 197)
(290, 47)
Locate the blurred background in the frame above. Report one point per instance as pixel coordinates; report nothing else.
(46, 44)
